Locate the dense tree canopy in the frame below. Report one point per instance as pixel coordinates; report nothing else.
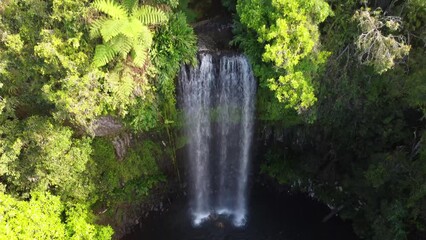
(360, 148)
(59, 73)
(41, 218)
(341, 84)
(285, 50)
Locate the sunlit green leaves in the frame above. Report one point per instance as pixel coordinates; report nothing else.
(52, 93)
(130, 24)
(288, 32)
(45, 217)
(148, 15)
(111, 8)
(294, 90)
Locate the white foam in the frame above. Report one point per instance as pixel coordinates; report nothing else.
(224, 211)
(239, 220)
(199, 218)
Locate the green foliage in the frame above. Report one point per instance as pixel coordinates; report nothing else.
(77, 227)
(415, 81)
(375, 48)
(365, 149)
(281, 38)
(124, 31)
(270, 110)
(195, 10)
(51, 51)
(40, 155)
(45, 217)
(129, 179)
(144, 116)
(175, 44)
(171, 3)
(55, 57)
(415, 16)
(51, 173)
(276, 162)
(230, 5)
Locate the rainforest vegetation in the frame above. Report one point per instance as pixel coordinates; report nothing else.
(342, 87)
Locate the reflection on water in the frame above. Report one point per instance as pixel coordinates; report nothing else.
(271, 216)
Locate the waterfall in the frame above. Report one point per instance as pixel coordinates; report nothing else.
(217, 97)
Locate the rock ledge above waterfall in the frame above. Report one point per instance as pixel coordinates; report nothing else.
(214, 34)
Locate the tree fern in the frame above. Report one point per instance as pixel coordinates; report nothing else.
(125, 89)
(142, 45)
(111, 28)
(132, 28)
(130, 5)
(95, 27)
(103, 54)
(139, 55)
(121, 45)
(145, 36)
(149, 15)
(111, 8)
(124, 31)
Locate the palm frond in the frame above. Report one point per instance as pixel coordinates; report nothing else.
(130, 5)
(149, 15)
(111, 28)
(103, 54)
(111, 8)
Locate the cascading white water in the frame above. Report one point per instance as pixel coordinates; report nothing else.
(196, 102)
(218, 100)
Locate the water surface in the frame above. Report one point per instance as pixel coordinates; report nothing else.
(271, 216)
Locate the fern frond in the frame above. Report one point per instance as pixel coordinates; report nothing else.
(111, 8)
(149, 15)
(111, 28)
(132, 28)
(141, 47)
(103, 54)
(130, 5)
(121, 45)
(145, 37)
(112, 81)
(125, 88)
(140, 53)
(95, 27)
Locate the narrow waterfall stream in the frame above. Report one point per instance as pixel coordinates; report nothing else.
(218, 100)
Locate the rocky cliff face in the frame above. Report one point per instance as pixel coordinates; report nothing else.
(214, 34)
(108, 126)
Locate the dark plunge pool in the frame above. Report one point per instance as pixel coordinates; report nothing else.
(272, 216)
